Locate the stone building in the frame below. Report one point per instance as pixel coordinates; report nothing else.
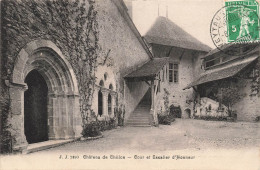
(177, 63)
(62, 63)
(121, 53)
(231, 81)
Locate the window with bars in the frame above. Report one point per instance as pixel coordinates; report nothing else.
(173, 72)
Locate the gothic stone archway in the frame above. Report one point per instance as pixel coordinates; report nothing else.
(64, 120)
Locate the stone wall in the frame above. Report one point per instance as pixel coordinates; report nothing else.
(121, 52)
(247, 108)
(70, 28)
(84, 37)
(238, 92)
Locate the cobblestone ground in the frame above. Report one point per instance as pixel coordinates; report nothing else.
(182, 134)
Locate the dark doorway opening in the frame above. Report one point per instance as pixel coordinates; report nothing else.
(35, 108)
(109, 104)
(100, 103)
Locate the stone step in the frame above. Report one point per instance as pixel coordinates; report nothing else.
(136, 116)
(138, 121)
(141, 113)
(139, 117)
(143, 107)
(144, 110)
(35, 147)
(139, 125)
(147, 108)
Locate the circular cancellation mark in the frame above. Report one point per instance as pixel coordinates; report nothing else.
(234, 29)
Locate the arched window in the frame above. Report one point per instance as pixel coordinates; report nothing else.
(109, 104)
(111, 87)
(105, 76)
(101, 83)
(100, 103)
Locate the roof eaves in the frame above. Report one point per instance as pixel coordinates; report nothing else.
(243, 66)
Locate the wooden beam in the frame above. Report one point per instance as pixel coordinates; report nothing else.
(182, 54)
(196, 90)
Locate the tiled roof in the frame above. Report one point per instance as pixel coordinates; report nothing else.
(219, 74)
(166, 32)
(149, 70)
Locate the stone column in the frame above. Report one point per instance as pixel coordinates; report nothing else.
(77, 120)
(17, 115)
(105, 103)
(95, 99)
(113, 102)
(70, 105)
(52, 118)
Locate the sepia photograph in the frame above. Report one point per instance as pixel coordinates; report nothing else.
(130, 84)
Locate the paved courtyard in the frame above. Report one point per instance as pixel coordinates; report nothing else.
(182, 134)
(223, 145)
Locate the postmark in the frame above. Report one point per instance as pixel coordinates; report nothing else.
(234, 28)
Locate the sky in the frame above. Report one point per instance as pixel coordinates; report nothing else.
(194, 16)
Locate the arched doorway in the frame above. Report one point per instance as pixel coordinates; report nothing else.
(109, 104)
(35, 108)
(187, 114)
(100, 103)
(44, 60)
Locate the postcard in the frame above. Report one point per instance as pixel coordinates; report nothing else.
(130, 84)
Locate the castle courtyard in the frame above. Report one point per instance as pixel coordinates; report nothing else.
(184, 144)
(190, 134)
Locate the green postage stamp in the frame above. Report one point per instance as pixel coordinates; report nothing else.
(242, 21)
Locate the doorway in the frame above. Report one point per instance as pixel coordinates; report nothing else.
(100, 103)
(35, 108)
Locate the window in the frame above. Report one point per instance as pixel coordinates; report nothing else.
(105, 76)
(173, 72)
(111, 87)
(176, 73)
(170, 72)
(212, 62)
(101, 83)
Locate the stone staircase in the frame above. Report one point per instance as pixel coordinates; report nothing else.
(141, 116)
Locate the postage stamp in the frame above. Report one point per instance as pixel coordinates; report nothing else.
(242, 21)
(237, 25)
